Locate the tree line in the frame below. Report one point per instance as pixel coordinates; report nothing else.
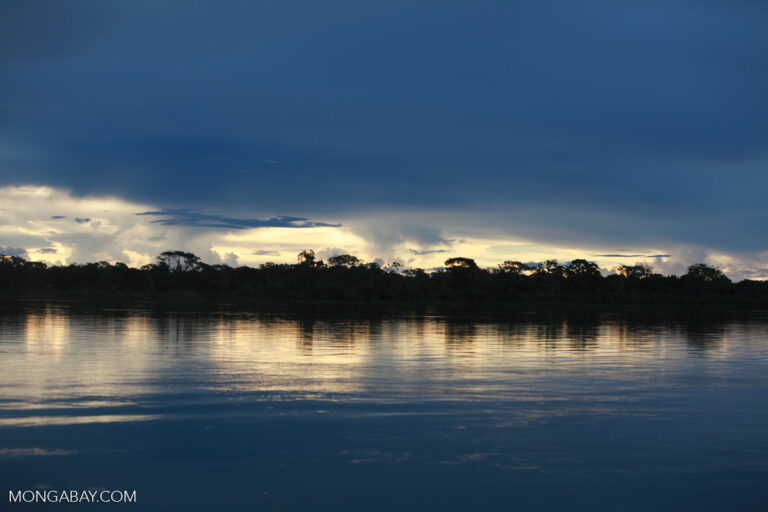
(348, 278)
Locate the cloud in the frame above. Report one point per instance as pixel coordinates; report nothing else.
(114, 231)
(27, 35)
(625, 136)
(757, 273)
(330, 252)
(13, 251)
(387, 233)
(619, 255)
(82, 220)
(58, 216)
(428, 251)
(231, 259)
(184, 217)
(419, 238)
(631, 256)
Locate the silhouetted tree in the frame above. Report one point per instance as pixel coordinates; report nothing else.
(415, 272)
(393, 267)
(351, 280)
(550, 267)
(514, 267)
(178, 261)
(344, 260)
(635, 271)
(459, 262)
(704, 273)
(13, 261)
(307, 257)
(582, 268)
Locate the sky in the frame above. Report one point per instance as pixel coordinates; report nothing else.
(245, 131)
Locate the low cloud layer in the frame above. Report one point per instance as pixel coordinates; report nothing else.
(113, 229)
(121, 230)
(189, 218)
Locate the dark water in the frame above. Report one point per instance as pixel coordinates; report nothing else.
(304, 411)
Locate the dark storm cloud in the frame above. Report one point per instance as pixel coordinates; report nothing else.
(13, 251)
(619, 255)
(28, 28)
(188, 218)
(653, 110)
(431, 251)
(631, 255)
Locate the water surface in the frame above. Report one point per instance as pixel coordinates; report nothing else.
(414, 411)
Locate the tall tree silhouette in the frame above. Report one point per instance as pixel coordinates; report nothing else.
(179, 261)
(344, 260)
(635, 271)
(460, 262)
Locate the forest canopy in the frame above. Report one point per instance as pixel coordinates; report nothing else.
(346, 277)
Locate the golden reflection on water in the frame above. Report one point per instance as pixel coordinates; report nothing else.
(46, 333)
(54, 359)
